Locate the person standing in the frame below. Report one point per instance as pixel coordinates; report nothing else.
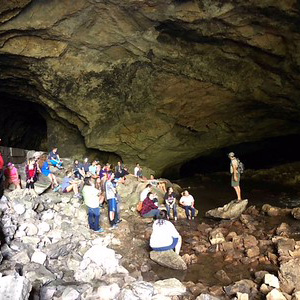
(110, 192)
(188, 202)
(92, 201)
(235, 175)
(31, 171)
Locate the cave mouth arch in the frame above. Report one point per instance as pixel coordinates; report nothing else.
(263, 154)
(22, 124)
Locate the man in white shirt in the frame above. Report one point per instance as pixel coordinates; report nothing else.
(188, 202)
(235, 176)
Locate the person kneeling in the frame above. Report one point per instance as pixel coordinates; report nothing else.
(164, 235)
(91, 197)
(149, 208)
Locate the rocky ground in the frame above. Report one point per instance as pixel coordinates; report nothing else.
(48, 252)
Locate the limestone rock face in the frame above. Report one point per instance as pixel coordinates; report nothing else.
(159, 82)
(230, 210)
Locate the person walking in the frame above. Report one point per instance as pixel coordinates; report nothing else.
(235, 175)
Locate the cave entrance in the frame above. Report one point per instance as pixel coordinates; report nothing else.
(262, 154)
(22, 124)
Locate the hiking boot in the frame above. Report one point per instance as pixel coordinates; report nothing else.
(100, 230)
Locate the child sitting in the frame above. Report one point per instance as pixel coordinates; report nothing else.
(12, 176)
(69, 184)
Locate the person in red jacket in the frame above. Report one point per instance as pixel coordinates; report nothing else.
(149, 208)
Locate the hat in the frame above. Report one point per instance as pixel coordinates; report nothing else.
(10, 164)
(231, 154)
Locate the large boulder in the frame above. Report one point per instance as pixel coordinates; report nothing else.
(14, 287)
(231, 210)
(168, 259)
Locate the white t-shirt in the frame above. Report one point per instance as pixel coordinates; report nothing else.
(234, 163)
(187, 200)
(162, 235)
(91, 196)
(136, 169)
(144, 194)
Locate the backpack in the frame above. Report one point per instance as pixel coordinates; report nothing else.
(241, 167)
(139, 206)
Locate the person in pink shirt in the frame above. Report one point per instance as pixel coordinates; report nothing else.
(12, 176)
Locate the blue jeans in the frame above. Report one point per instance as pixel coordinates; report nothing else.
(188, 209)
(56, 163)
(152, 213)
(93, 218)
(166, 248)
(168, 207)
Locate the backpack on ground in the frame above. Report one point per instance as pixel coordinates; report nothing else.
(241, 167)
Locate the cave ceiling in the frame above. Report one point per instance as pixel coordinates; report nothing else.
(156, 82)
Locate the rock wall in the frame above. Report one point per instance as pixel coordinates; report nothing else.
(159, 82)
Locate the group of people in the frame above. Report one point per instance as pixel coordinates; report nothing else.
(149, 207)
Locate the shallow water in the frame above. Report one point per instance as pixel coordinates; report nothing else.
(214, 191)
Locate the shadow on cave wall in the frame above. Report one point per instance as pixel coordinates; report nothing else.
(255, 155)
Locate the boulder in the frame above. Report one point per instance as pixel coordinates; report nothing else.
(216, 236)
(207, 297)
(38, 257)
(169, 287)
(289, 275)
(143, 290)
(273, 211)
(108, 292)
(14, 287)
(271, 280)
(70, 294)
(168, 259)
(231, 210)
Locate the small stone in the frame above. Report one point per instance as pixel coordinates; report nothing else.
(43, 228)
(38, 257)
(275, 295)
(169, 287)
(271, 280)
(108, 292)
(252, 252)
(19, 208)
(265, 289)
(242, 296)
(70, 294)
(31, 229)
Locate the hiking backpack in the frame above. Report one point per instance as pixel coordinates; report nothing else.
(241, 167)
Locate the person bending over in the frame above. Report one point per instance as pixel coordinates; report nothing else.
(149, 208)
(188, 202)
(92, 201)
(164, 235)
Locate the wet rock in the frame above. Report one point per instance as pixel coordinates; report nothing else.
(296, 213)
(275, 295)
(273, 211)
(14, 287)
(289, 275)
(242, 286)
(271, 280)
(222, 276)
(168, 259)
(232, 210)
(216, 236)
(169, 287)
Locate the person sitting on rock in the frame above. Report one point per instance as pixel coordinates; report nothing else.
(170, 202)
(31, 171)
(78, 169)
(138, 172)
(12, 176)
(93, 170)
(55, 159)
(86, 165)
(92, 201)
(69, 184)
(164, 235)
(120, 170)
(149, 208)
(188, 202)
(110, 192)
(45, 170)
(158, 183)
